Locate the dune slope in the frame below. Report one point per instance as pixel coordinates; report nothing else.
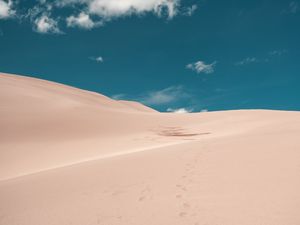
(69, 156)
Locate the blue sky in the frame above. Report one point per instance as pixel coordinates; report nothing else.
(168, 54)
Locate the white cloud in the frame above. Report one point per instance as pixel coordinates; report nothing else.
(164, 96)
(180, 110)
(117, 8)
(6, 10)
(88, 14)
(190, 10)
(45, 24)
(83, 20)
(98, 59)
(107, 9)
(246, 61)
(202, 67)
(39, 16)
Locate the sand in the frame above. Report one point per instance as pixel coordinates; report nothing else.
(69, 156)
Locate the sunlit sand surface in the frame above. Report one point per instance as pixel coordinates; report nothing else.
(69, 156)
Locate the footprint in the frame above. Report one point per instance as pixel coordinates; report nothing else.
(178, 196)
(142, 198)
(115, 193)
(98, 221)
(183, 188)
(186, 205)
(182, 214)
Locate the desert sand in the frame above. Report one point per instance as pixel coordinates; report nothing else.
(69, 156)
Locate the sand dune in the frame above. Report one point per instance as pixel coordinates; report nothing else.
(69, 156)
(138, 106)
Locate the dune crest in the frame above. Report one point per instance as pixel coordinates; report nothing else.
(69, 156)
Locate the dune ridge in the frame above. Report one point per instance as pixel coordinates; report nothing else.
(69, 156)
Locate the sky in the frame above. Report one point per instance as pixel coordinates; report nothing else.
(172, 55)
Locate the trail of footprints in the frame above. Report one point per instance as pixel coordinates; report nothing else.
(185, 208)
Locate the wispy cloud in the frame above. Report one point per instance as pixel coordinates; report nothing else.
(37, 11)
(278, 52)
(202, 67)
(98, 59)
(268, 57)
(164, 96)
(246, 61)
(45, 24)
(6, 9)
(190, 10)
(292, 8)
(180, 110)
(118, 96)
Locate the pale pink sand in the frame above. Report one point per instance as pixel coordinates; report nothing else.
(69, 156)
